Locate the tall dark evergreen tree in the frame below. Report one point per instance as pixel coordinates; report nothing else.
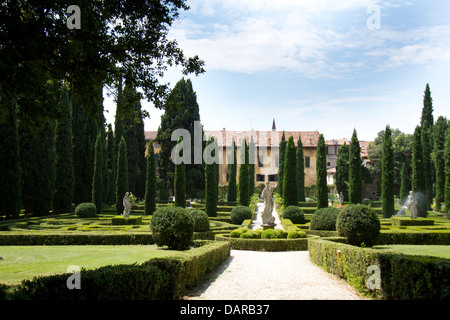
(211, 186)
(417, 178)
(243, 198)
(251, 167)
(387, 175)
(427, 123)
(405, 186)
(342, 167)
(290, 175)
(180, 179)
(447, 174)
(300, 171)
(111, 163)
(84, 130)
(354, 171)
(150, 186)
(321, 174)
(232, 187)
(10, 177)
(440, 134)
(38, 168)
(181, 111)
(97, 180)
(122, 185)
(281, 156)
(427, 110)
(64, 174)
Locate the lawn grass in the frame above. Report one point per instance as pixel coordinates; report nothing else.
(442, 251)
(24, 262)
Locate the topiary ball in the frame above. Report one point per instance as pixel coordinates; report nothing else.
(86, 210)
(360, 224)
(201, 220)
(172, 226)
(296, 235)
(324, 219)
(295, 214)
(239, 214)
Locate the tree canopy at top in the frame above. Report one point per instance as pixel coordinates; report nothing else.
(126, 37)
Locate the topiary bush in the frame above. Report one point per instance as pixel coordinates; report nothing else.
(296, 234)
(251, 234)
(273, 234)
(172, 226)
(201, 220)
(239, 214)
(324, 219)
(86, 210)
(295, 214)
(360, 224)
(236, 233)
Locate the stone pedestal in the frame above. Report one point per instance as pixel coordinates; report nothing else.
(268, 226)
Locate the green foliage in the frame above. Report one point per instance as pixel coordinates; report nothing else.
(418, 183)
(440, 133)
(97, 181)
(405, 184)
(295, 214)
(180, 179)
(64, 175)
(321, 174)
(150, 184)
(121, 176)
(447, 174)
(387, 175)
(290, 175)
(111, 163)
(324, 219)
(201, 220)
(172, 226)
(236, 233)
(300, 171)
(121, 220)
(354, 172)
(232, 187)
(247, 242)
(359, 223)
(274, 234)
(10, 177)
(240, 213)
(244, 197)
(342, 167)
(211, 196)
(281, 157)
(86, 210)
(296, 235)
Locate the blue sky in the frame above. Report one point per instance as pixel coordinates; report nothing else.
(314, 64)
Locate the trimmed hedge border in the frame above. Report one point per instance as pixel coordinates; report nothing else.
(299, 244)
(156, 279)
(429, 237)
(402, 276)
(121, 220)
(397, 221)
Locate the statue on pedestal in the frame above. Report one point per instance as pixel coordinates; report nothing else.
(412, 205)
(126, 205)
(266, 216)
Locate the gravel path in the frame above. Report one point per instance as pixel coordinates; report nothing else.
(255, 275)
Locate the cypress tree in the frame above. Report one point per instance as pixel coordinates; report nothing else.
(10, 176)
(243, 199)
(447, 174)
(150, 185)
(232, 188)
(427, 110)
(354, 171)
(321, 174)
(405, 185)
(211, 187)
(251, 167)
(281, 156)
(64, 174)
(290, 175)
(122, 186)
(180, 180)
(387, 175)
(300, 171)
(111, 163)
(97, 180)
(440, 133)
(418, 178)
(342, 168)
(427, 163)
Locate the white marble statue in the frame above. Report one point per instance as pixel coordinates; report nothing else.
(266, 216)
(341, 199)
(126, 205)
(412, 205)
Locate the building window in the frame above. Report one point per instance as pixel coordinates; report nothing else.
(260, 177)
(272, 177)
(307, 165)
(228, 176)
